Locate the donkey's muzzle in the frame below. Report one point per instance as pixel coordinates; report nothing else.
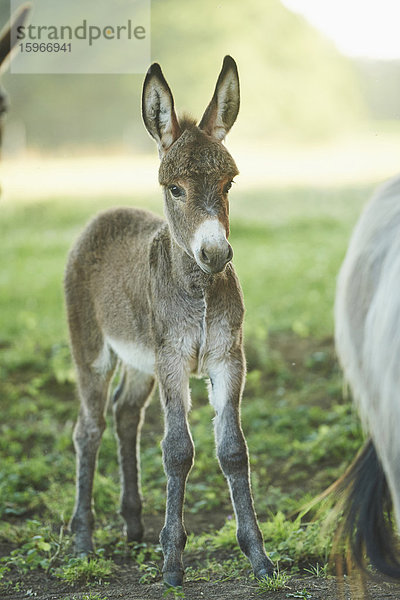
(214, 258)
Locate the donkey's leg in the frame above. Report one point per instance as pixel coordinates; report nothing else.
(93, 389)
(227, 380)
(178, 453)
(129, 407)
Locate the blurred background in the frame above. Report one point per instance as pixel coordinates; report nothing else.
(308, 110)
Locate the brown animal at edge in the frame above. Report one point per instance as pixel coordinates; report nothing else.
(161, 299)
(7, 43)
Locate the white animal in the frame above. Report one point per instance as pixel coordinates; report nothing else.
(367, 334)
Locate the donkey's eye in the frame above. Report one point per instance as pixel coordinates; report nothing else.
(176, 191)
(227, 187)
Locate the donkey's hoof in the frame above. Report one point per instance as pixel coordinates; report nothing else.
(173, 578)
(265, 572)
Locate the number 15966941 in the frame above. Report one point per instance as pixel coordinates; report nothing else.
(45, 47)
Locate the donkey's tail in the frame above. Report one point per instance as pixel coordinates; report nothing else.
(367, 506)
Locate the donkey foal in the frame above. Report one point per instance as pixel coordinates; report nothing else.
(162, 298)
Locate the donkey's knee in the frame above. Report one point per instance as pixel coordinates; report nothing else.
(233, 456)
(89, 430)
(178, 454)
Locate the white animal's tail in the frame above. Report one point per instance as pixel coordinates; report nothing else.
(367, 504)
(367, 333)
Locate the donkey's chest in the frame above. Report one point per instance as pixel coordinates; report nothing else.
(200, 341)
(191, 346)
(190, 339)
(185, 337)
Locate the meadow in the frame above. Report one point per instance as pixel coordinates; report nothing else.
(301, 429)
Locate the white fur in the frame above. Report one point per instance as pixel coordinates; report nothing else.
(157, 97)
(131, 354)
(367, 329)
(210, 232)
(227, 90)
(103, 361)
(219, 387)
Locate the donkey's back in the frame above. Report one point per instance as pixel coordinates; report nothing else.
(107, 278)
(368, 314)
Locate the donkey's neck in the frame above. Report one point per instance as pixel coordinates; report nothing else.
(187, 272)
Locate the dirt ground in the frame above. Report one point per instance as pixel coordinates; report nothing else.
(126, 586)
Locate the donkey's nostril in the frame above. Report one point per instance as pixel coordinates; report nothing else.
(214, 258)
(204, 256)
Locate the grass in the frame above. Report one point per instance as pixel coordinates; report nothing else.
(288, 246)
(85, 570)
(278, 581)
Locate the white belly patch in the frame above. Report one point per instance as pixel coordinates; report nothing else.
(131, 354)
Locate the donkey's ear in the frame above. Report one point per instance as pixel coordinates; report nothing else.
(223, 109)
(158, 109)
(8, 36)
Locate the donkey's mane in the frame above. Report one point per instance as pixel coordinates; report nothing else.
(186, 122)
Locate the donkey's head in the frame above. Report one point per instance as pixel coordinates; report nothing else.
(196, 170)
